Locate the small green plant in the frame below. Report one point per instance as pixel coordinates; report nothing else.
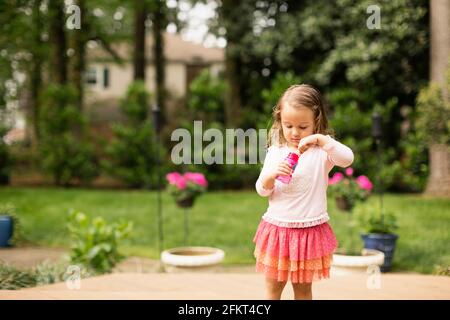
(95, 245)
(371, 221)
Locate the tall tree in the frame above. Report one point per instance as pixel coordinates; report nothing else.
(57, 38)
(439, 178)
(78, 40)
(159, 23)
(236, 18)
(139, 61)
(37, 51)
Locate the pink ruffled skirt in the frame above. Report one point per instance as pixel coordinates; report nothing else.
(302, 255)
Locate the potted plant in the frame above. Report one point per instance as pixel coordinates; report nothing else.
(185, 188)
(9, 225)
(379, 233)
(347, 190)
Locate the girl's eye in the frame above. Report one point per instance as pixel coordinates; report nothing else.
(303, 128)
(288, 127)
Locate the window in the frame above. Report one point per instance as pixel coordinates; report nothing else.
(105, 77)
(91, 76)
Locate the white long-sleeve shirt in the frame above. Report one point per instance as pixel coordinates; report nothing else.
(302, 202)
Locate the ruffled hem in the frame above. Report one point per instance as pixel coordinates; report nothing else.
(298, 276)
(293, 265)
(296, 224)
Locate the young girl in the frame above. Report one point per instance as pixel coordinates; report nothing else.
(294, 240)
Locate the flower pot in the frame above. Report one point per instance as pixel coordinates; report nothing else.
(191, 259)
(343, 204)
(185, 203)
(383, 242)
(6, 231)
(350, 264)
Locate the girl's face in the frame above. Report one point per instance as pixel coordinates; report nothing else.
(296, 123)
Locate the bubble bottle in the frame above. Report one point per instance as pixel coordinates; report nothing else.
(292, 160)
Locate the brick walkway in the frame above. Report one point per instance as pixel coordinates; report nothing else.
(230, 286)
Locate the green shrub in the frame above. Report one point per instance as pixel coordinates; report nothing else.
(404, 167)
(95, 245)
(65, 151)
(206, 99)
(131, 155)
(433, 110)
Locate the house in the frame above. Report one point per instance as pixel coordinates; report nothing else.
(107, 81)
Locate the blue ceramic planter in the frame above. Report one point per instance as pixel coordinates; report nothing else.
(6, 231)
(383, 242)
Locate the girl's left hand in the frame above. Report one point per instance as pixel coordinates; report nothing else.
(307, 142)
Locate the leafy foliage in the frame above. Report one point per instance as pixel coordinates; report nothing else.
(95, 244)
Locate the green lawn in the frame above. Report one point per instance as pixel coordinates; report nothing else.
(227, 220)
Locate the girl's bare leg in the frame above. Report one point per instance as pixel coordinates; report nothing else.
(274, 288)
(302, 291)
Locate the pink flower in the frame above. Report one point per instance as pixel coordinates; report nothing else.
(181, 183)
(338, 176)
(197, 178)
(364, 183)
(349, 171)
(173, 177)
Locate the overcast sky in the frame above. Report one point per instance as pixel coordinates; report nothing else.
(196, 17)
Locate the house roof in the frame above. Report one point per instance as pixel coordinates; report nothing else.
(175, 50)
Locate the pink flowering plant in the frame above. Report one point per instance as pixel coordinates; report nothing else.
(349, 188)
(186, 186)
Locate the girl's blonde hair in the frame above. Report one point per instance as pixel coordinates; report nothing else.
(302, 95)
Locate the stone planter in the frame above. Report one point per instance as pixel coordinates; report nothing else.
(347, 264)
(191, 259)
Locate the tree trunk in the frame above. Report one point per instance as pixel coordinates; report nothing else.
(159, 61)
(35, 77)
(57, 38)
(140, 14)
(230, 13)
(440, 39)
(439, 178)
(233, 102)
(78, 63)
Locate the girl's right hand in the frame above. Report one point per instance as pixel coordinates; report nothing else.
(283, 169)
